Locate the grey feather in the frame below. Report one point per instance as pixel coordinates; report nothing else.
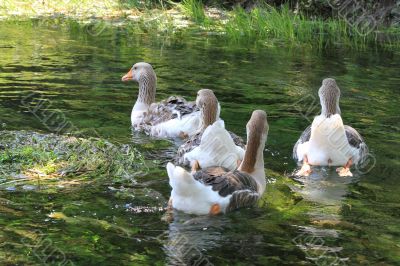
(173, 107)
(242, 186)
(305, 136)
(355, 140)
(225, 182)
(242, 199)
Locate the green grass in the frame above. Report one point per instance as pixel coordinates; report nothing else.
(194, 9)
(262, 24)
(267, 22)
(141, 4)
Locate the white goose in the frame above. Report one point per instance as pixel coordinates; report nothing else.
(328, 142)
(216, 190)
(169, 118)
(213, 145)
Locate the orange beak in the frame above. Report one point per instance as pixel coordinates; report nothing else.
(128, 76)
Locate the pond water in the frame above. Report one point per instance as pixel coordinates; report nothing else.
(322, 220)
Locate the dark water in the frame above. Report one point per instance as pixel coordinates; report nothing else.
(322, 220)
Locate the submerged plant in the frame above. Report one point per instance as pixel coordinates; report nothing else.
(44, 157)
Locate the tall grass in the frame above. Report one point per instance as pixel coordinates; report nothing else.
(262, 23)
(194, 9)
(141, 4)
(267, 22)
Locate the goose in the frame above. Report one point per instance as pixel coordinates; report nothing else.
(215, 190)
(327, 141)
(213, 145)
(174, 117)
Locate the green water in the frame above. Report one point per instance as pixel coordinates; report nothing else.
(322, 220)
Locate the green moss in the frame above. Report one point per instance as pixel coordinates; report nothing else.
(26, 155)
(44, 157)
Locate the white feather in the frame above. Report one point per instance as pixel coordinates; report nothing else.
(188, 124)
(216, 148)
(138, 113)
(191, 196)
(328, 141)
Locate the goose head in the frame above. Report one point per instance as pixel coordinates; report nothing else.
(143, 74)
(208, 105)
(329, 95)
(257, 132)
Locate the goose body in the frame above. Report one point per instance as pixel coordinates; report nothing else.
(216, 190)
(169, 118)
(332, 149)
(198, 193)
(328, 142)
(185, 125)
(214, 147)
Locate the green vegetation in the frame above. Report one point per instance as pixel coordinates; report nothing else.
(260, 24)
(194, 9)
(36, 157)
(267, 22)
(80, 185)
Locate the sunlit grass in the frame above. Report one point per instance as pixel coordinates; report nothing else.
(45, 158)
(196, 12)
(267, 22)
(76, 7)
(194, 9)
(261, 24)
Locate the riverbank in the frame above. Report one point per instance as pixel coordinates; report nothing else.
(261, 23)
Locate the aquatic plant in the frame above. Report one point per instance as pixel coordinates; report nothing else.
(38, 157)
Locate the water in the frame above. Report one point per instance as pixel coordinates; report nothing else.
(323, 220)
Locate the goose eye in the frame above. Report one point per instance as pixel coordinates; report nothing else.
(134, 68)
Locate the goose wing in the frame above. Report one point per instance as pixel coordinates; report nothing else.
(356, 141)
(241, 186)
(242, 199)
(187, 146)
(237, 140)
(181, 106)
(305, 136)
(225, 182)
(173, 107)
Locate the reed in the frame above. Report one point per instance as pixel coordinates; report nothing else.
(194, 9)
(267, 22)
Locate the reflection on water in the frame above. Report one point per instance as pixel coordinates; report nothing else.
(324, 186)
(328, 190)
(189, 238)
